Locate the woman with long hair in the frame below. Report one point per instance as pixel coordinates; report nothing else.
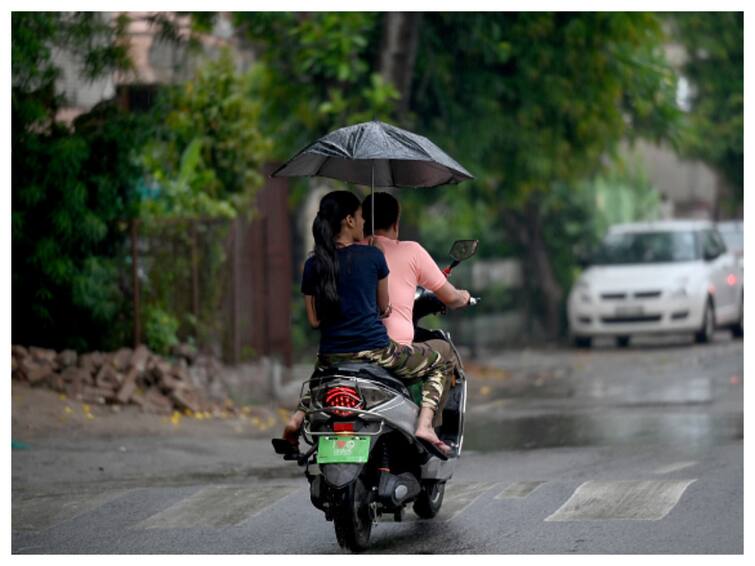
(345, 287)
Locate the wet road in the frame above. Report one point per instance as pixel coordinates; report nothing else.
(605, 451)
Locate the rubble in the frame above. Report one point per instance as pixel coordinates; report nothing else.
(188, 383)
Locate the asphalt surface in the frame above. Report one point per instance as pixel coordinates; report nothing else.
(629, 451)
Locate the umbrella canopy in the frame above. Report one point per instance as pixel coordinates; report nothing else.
(375, 154)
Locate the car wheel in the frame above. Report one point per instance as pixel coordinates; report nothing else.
(708, 328)
(622, 341)
(738, 328)
(582, 341)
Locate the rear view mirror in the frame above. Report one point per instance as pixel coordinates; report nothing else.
(463, 249)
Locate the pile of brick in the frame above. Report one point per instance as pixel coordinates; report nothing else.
(186, 382)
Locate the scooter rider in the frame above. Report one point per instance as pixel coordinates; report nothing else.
(411, 266)
(345, 285)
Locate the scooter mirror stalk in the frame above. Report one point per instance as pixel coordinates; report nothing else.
(463, 249)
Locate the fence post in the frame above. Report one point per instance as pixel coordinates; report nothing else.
(135, 281)
(194, 271)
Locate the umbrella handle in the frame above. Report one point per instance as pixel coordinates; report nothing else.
(372, 196)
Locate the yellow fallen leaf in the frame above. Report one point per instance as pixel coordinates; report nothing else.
(68, 410)
(86, 408)
(485, 390)
(89, 416)
(62, 397)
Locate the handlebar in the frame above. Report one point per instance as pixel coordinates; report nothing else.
(426, 303)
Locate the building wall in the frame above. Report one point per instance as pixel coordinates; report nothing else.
(690, 185)
(155, 62)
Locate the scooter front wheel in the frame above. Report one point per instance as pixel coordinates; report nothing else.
(351, 517)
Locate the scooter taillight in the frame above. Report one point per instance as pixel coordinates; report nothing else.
(341, 396)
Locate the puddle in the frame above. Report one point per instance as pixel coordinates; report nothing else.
(650, 391)
(681, 430)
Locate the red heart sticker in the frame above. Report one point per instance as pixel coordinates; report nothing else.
(340, 443)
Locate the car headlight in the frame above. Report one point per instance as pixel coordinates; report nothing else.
(582, 290)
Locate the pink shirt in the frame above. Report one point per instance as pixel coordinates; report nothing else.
(410, 266)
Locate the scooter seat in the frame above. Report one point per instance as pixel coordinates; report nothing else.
(364, 370)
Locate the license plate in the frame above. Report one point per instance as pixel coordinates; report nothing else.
(343, 449)
(629, 311)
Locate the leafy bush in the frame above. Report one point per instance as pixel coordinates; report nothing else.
(160, 329)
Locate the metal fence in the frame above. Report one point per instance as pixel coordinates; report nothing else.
(225, 284)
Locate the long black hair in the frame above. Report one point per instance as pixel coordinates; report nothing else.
(334, 207)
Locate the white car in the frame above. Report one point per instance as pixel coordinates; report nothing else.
(670, 276)
(732, 232)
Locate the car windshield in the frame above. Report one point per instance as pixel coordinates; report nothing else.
(647, 247)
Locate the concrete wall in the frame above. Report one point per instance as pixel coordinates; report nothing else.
(690, 185)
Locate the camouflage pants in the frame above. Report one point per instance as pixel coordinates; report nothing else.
(409, 363)
(451, 362)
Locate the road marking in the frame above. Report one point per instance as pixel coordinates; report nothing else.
(674, 467)
(518, 490)
(43, 511)
(216, 506)
(648, 500)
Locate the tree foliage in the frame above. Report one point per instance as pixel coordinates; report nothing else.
(72, 186)
(206, 158)
(531, 102)
(714, 66)
(316, 72)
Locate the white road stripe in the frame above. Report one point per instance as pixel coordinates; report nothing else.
(648, 500)
(43, 511)
(216, 506)
(519, 489)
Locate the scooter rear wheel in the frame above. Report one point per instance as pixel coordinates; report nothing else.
(351, 517)
(428, 502)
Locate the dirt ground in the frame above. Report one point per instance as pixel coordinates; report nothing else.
(40, 413)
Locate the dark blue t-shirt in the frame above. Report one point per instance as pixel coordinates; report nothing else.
(358, 327)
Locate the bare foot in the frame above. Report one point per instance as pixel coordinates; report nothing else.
(429, 435)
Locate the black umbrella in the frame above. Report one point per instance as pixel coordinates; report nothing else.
(375, 154)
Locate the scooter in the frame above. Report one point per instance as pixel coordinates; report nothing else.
(363, 459)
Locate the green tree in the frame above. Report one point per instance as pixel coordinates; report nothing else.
(530, 102)
(203, 165)
(316, 72)
(206, 158)
(71, 186)
(714, 66)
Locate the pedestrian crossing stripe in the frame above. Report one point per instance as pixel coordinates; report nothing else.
(217, 506)
(519, 489)
(649, 500)
(47, 510)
